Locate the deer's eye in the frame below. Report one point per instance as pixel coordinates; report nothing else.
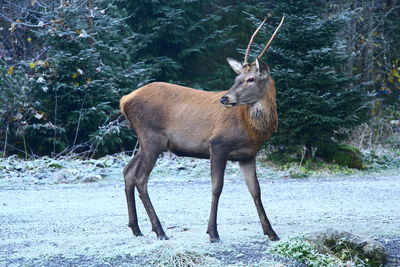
(250, 80)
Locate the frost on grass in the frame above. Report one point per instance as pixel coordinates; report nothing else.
(299, 249)
(381, 160)
(331, 248)
(168, 255)
(67, 170)
(46, 170)
(169, 167)
(189, 255)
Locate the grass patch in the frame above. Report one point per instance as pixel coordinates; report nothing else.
(316, 167)
(64, 170)
(167, 255)
(337, 249)
(299, 249)
(69, 170)
(382, 160)
(294, 166)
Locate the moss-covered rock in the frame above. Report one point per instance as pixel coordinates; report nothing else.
(344, 155)
(349, 247)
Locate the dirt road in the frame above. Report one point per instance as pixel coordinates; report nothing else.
(86, 224)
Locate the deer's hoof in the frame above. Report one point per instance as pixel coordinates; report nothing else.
(137, 233)
(274, 238)
(215, 240)
(135, 230)
(163, 237)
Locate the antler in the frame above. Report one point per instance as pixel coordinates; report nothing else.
(246, 56)
(271, 39)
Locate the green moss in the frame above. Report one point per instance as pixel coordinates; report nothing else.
(348, 156)
(331, 248)
(344, 155)
(296, 167)
(348, 247)
(284, 157)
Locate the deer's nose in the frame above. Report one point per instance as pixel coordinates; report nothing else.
(224, 100)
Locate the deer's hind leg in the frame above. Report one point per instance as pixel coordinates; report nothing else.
(129, 177)
(150, 150)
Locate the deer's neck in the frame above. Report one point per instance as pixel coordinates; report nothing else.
(263, 116)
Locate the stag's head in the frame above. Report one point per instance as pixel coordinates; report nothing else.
(251, 81)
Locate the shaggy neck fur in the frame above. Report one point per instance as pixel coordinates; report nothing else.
(263, 116)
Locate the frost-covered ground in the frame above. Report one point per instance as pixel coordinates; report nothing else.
(73, 213)
(67, 171)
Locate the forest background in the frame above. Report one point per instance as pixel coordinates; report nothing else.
(64, 65)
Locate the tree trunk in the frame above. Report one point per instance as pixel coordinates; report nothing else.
(308, 154)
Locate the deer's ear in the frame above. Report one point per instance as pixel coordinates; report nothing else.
(262, 67)
(235, 65)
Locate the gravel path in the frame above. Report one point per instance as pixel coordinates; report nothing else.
(86, 224)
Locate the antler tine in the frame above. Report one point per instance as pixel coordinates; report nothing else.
(246, 56)
(272, 38)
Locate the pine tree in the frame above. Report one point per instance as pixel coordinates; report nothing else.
(184, 42)
(317, 103)
(83, 75)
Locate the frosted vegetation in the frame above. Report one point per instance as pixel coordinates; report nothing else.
(242, 245)
(66, 170)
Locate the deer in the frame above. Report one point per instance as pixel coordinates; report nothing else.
(220, 126)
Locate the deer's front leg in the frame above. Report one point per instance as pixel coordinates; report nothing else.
(218, 163)
(248, 169)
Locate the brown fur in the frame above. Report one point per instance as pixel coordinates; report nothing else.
(190, 118)
(263, 119)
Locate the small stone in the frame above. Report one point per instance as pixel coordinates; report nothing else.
(181, 168)
(91, 178)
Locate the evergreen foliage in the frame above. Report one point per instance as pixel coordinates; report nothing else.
(316, 101)
(80, 79)
(179, 41)
(65, 64)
